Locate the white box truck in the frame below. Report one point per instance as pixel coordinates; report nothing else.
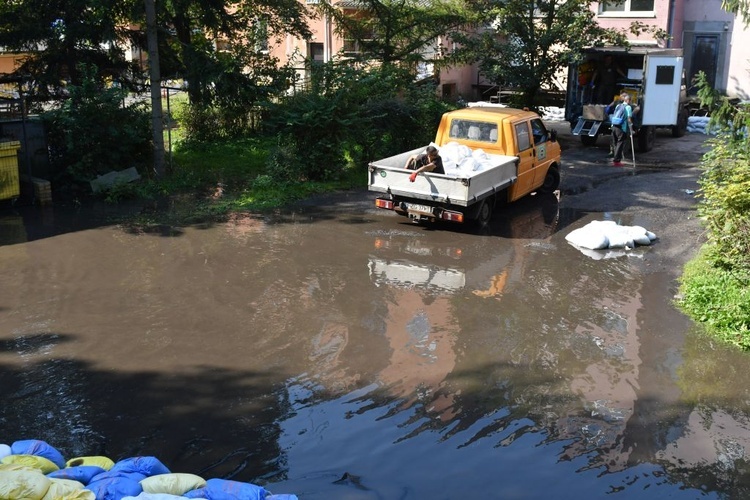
(654, 78)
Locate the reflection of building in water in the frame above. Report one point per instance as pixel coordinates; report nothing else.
(421, 333)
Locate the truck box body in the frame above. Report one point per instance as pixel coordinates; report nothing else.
(652, 76)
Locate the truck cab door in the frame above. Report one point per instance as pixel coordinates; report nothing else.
(661, 90)
(527, 161)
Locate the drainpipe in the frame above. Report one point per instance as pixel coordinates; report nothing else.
(670, 23)
(326, 38)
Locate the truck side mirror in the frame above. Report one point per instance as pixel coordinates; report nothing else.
(553, 135)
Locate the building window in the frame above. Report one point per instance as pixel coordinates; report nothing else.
(627, 6)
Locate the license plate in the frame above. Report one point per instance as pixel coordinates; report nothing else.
(413, 207)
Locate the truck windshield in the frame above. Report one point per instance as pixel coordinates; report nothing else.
(473, 130)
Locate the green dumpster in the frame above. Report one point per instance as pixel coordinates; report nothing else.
(10, 186)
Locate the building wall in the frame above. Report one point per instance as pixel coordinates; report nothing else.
(658, 18)
(717, 43)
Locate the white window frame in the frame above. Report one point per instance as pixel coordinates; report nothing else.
(626, 12)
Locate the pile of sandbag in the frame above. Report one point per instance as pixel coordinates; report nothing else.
(699, 124)
(461, 159)
(598, 235)
(34, 470)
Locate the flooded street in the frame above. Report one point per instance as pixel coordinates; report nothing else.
(351, 354)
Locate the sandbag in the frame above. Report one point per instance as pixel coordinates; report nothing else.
(39, 448)
(148, 466)
(105, 463)
(154, 496)
(114, 488)
(23, 484)
(173, 483)
(37, 462)
(83, 473)
(585, 238)
(5, 450)
(224, 489)
(66, 489)
(113, 474)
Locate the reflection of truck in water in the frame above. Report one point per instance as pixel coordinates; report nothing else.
(653, 77)
(448, 266)
(490, 155)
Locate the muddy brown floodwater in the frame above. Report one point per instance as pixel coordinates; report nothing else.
(340, 352)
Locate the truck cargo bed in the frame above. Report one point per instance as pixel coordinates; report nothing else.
(456, 186)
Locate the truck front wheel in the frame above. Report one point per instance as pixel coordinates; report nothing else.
(551, 180)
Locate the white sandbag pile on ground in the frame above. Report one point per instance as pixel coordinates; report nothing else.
(606, 234)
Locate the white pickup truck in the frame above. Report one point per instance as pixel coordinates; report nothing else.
(512, 154)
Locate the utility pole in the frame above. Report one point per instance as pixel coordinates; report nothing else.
(157, 122)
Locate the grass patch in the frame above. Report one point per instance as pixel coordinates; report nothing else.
(208, 181)
(717, 299)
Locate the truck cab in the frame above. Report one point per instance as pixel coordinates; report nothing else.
(511, 132)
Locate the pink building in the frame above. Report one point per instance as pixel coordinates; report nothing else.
(713, 41)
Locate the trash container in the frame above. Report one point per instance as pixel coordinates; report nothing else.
(10, 186)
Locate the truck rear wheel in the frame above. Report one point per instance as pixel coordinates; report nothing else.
(682, 123)
(484, 212)
(645, 139)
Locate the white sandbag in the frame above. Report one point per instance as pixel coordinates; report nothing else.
(586, 238)
(31, 485)
(480, 155)
(5, 450)
(639, 235)
(469, 164)
(650, 235)
(174, 483)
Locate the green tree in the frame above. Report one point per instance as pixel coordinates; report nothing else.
(395, 31)
(523, 44)
(59, 35)
(220, 48)
(741, 7)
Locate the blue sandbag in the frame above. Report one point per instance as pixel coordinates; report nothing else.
(112, 474)
(40, 449)
(114, 488)
(282, 496)
(148, 466)
(81, 473)
(224, 489)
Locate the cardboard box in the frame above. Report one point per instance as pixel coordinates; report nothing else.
(594, 112)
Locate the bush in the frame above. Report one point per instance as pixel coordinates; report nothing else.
(95, 131)
(717, 299)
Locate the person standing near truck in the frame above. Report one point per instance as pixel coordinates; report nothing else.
(429, 161)
(622, 127)
(605, 79)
